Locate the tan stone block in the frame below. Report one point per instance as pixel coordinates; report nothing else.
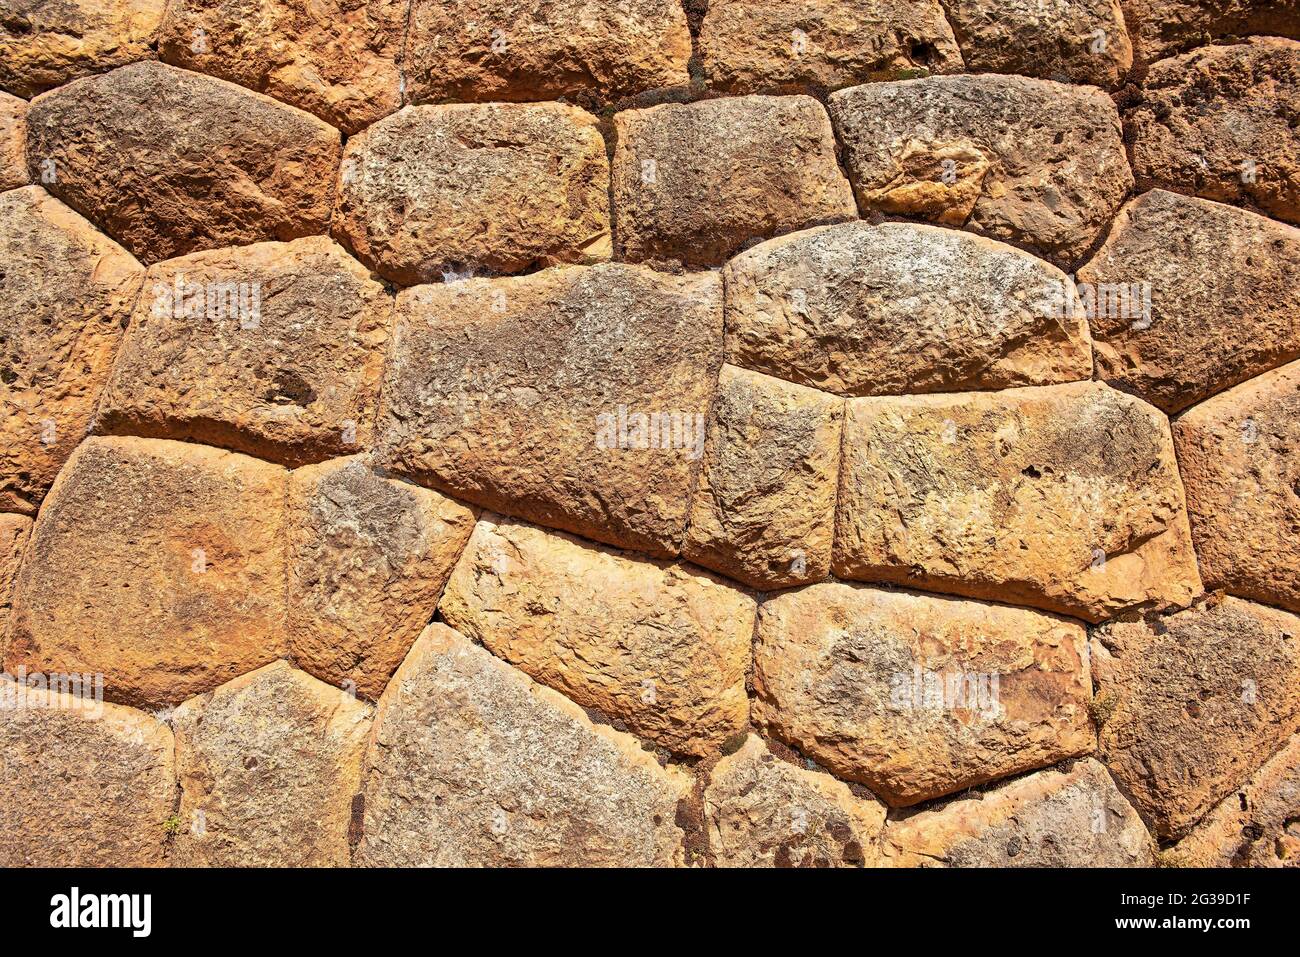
(14, 533)
(13, 142)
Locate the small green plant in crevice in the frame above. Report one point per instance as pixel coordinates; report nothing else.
(172, 825)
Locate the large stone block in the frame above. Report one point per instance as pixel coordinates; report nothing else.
(1161, 28)
(14, 532)
(13, 142)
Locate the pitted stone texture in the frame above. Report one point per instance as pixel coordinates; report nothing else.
(899, 308)
(268, 765)
(1237, 454)
(1062, 497)
(695, 182)
(513, 50)
(336, 59)
(273, 349)
(1034, 163)
(66, 293)
(1072, 818)
(1161, 28)
(1195, 703)
(1084, 41)
(13, 142)
(82, 783)
(794, 46)
(169, 162)
(763, 511)
(158, 564)
(435, 192)
(473, 764)
(761, 811)
(46, 43)
(368, 559)
(14, 532)
(1257, 826)
(1221, 123)
(662, 648)
(917, 696)
(1192, 297)
(533, 397)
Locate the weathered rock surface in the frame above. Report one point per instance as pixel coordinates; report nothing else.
(763, 511)
(535, 396)
(1192, 297)
(435, 192)
(662, 648)
(1195, 703)
(46, 43)
(897, 308)
(1074, 818)
(761, 811)
(1258, 826)
(1221, 122)
(14, 532)
(169, 162)
(82, 783)
(302, 327)
(66, 292)
(1161, 28)
(793, 46)
(1237, 456)
(695, 182)
(1062, 497)
(1081, 42)
(13, 142)
(473, 764)
(268, 766)
(368, 559)
(158, 564)
(510, 50)
(917, 696)
(336, 59)
(1034, 163)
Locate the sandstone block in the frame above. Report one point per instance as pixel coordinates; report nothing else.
(159, 565)
(169, 162)
(14, 532)
(66, 292)
(662, 648)
(302, 325)
(917, 696)
(1192, 297)
(1034, 163)
(695, 182)
(898, 308)
(575, 398)
(434, 192)
(473, 764)
(368, 559)
(1063, 497)
(1161, 28)
(13, 142)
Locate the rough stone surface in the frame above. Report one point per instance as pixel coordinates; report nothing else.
(1238, 456)
(1192, 297)
(273, 349)
(662, 648)
(46, 43)
(82, 783)
(13, 142)
(14, 532)
(268, 765)
(1073, 818)
(1161, 28)
(695, 182)
(169, 162)
(1195, 702)
(1062, 497)
(435, 192)
(1034, 163)
(533, 396)
(763, 511)
(917, 696)
(66, 292)
(473, 764)
(897, 308)
(1085, 41)
(368, 559)
(158, 564)
(764, 812)
(336, 59)
(793, 46)
(515, 50)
